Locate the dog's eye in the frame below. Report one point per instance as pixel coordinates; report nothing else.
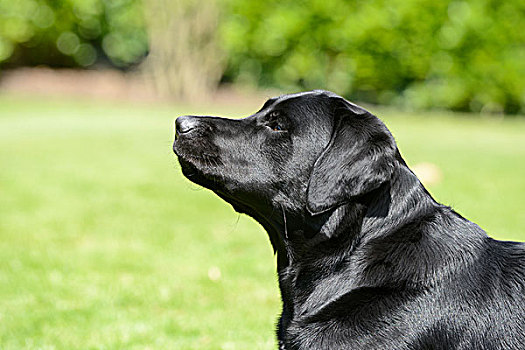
(274, 123)
(275, 126)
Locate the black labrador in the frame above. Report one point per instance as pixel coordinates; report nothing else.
(366, 258)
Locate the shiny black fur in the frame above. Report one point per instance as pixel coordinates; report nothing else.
(367, 259)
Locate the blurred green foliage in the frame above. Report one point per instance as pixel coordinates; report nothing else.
(71, 32)
(462, 55)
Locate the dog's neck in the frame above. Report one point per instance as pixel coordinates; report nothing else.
(346, 253)
(297, 235)
(353, 241)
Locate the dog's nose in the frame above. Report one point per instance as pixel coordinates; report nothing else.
(185, 124)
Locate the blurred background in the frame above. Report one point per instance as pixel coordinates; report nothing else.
(102, 241)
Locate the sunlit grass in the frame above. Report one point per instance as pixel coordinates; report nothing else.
(103, 243)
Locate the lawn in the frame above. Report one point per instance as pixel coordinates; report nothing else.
(104, 245)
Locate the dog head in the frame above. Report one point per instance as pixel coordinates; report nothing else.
(305, 154)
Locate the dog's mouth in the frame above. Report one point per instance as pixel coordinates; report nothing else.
(200, 167)
(202, 161)
(195, 149)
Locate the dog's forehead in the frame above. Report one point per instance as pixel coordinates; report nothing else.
(296, 95)
(314, 93)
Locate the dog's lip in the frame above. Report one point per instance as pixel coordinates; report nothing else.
(180, 152)
(180, 138)
(184, 156)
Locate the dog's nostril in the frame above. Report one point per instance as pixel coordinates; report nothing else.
(185, 124)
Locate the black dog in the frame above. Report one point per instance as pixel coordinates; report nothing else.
(367, 259)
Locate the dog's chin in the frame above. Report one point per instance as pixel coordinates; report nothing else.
(198, 173)
(203, 174)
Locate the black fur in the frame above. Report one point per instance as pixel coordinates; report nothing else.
(367, 259)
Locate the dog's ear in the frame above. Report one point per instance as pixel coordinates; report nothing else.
(358, 159)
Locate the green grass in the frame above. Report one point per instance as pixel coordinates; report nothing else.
(103, 244)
